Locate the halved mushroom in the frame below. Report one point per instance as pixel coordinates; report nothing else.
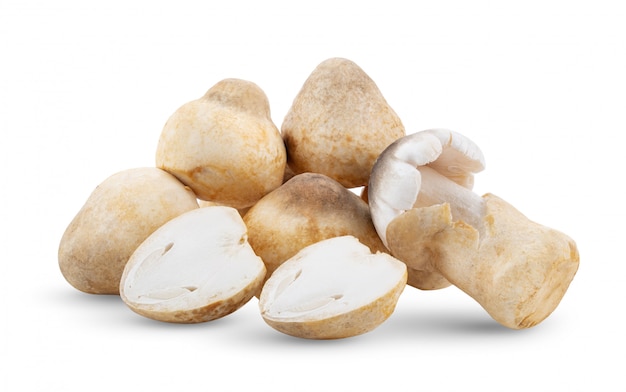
(518, 270)
(335, 288)
(197, 267)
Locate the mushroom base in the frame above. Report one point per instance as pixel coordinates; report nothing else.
(518, 271)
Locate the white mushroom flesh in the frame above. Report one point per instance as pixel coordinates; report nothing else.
(303, 289)
(191, 261)
(465, 205)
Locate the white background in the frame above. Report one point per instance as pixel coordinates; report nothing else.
(539, 85)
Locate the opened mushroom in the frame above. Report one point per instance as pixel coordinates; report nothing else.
(405, 176)
(425, 212)
(335, 288)
(197, 267)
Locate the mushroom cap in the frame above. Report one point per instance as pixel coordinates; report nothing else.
(338, 124)
(197, 267)
(395, 180)
(460, 157)
(308, 208)
(121, 212)
(224, 146)
(335, 288)
(395, 183)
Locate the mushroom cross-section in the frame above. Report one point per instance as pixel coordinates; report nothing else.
(424, 209)
(197, 267)
(334, 288)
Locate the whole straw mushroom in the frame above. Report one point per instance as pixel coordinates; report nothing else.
(224, 145)
(424, 210)
(121, 212)
(308, 208)
(339, 123)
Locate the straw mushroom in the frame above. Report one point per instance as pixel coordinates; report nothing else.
(423, 208)
(308, 208)
(195, 268)
(339, 123)
(224, 146)
(118, 215)
(400, 181)
(335, 288)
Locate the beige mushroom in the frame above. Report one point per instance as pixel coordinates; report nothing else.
(335, 288)
(197, 267)
(224, 146)
(208, 203)
(308, 208)
(339, 123)
(516, 269)
(118, 215)
(242, 211)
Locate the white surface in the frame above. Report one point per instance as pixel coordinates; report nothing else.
(539, 85)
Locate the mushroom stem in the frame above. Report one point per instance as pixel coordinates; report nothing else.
(465, 205)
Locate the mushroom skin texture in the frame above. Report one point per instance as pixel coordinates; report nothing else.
(518, 270)
(333, 289)
(208, 203)
(515, 268)
(339, 123)
(118, 215)
(224, 146)
(195, 268)
(308, 208)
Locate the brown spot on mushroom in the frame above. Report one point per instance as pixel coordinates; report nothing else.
(308, 208)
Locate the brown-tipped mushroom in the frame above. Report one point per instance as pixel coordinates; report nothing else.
(308, 208)
(339, 123)
(516, 269)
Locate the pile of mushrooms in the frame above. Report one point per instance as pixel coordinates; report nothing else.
(236, 209)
